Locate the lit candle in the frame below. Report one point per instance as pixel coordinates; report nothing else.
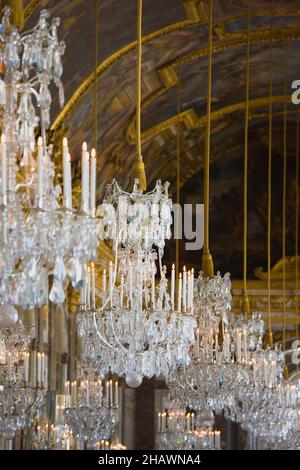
(153, 286)
(159, 422)
(93, 183)
(85, 178)
(40, 172)
(173, 287)
(111, 267)
(3, 169)
(93, 285)
(179, 293)
(184, 289)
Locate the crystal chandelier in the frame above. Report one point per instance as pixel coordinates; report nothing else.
(179, 428)
(38, 237)
(138, 331)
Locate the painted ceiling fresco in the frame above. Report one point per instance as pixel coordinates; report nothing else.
(175, 77)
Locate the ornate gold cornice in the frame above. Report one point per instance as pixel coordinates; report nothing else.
(108, 62)
(191, 121)
(30, 7)
(168, 73)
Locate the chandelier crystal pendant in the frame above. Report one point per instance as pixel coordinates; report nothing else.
(38, 237)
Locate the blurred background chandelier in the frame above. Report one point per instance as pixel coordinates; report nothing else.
(38, 237)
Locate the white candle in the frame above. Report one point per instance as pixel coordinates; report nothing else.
(179, 293)
(39, 368)
(193, 422)
(104, 281)
(192, 290)
(88, 286)
(26, 368)
(93, 285)
(184, 289)
(93, 183)
(130, 282)
(111, 393)
(3, 168)
(85, 178)
(153, 286)
(111, 267)
(159, 422)
(122, 291)
(42, 369)
(107, 393)
(188, 291)
(9, 367)
(65, 170)
(173, 287)
(40, 172)
(116, 394)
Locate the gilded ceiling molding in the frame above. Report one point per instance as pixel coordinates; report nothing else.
(193, 18)
(195, 10)
(108, 62)
(191, 121)
(30, 7)
(277, 270)
(168, 75)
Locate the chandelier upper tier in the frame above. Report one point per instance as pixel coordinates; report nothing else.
(38, 236)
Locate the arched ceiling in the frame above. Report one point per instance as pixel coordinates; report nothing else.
(175, 68)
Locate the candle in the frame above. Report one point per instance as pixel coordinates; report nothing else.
(153, 286)
(164, 422)
(3, 169)
(110, 278)
(116, 394)
(93, 285)
(179, 293)
(9, 367)
(173, 286)
(192, 290)
(122, 291)
(26, 368)
(65, 171)
(73, 393)
(159, 422)
(130, 282)
(42, 369)
(188, 291)
(93, 183)
(85, 178)
(107, 393)
(40, 172)
(88, 288)
(184, 289)
(111, 393)
(104, 281)
(193, 422)
(39, 368)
